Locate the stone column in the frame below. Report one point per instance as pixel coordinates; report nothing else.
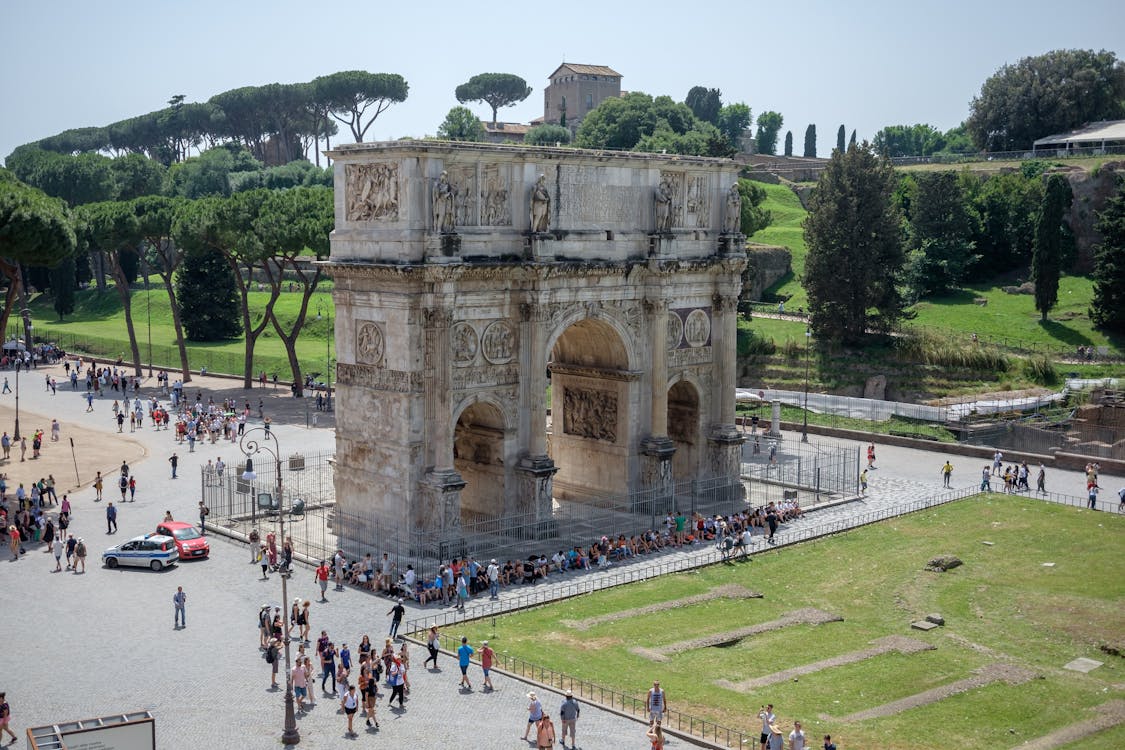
(775, 419)
(536, 469)
(441, 486)
(725, 440)
(658, 448)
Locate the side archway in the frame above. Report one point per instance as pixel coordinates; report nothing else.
(480, 444)
(685, 428)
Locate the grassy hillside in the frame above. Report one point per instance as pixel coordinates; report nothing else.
(1007, 318)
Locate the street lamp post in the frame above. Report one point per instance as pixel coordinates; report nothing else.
(148, 314)
(250, 445)
(805, 423)
(321, 309)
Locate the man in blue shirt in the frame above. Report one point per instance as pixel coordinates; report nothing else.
(464, 655)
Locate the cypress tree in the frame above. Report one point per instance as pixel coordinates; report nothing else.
(208, 297)
(1108, 307)
(1046, 256)
(841, 134)
(63, 282)
(851, 141)
(810, 142)
(788, 142)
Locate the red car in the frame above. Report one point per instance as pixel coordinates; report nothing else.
(189, 542)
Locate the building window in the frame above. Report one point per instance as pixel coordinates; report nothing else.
(589, 102)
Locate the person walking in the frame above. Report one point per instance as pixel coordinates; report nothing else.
(464, 658)
(1041, 480)
(544, 733)
(321, 577)
(80, 555)
(273, 656)
(534, 712)
(1092, 494)
(568, 714)
(350, 704)
(98, 484)
(656, 703)
(57, 548)
(486, 657)
(946, 473)
(493, 580)
(204, 511)
(111, 518)
(871, 456)
(433, 645)
(174, 460)
(133, 489)
(5, 709)
(396, 613)
(863, 482)
(396, 675)
(179, 602)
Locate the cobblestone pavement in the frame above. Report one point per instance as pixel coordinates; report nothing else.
(103, 642)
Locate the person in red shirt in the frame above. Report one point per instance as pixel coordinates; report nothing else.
(322, 572)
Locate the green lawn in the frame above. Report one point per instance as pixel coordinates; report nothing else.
(786, 229)
(98, 325)
(1001, 605)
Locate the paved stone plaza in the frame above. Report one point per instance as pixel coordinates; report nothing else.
(103, 642)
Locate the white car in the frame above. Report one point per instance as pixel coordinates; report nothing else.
(154, 551)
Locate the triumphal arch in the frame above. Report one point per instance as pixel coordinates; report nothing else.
(518, 326)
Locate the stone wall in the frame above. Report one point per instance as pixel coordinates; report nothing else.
(766, 265)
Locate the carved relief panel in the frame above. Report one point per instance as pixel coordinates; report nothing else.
(697, 203)
(495, 197)
(675, 329)
(590, 414)
(464, 180)
(465, 344)
(676, 180)
(371, 192)
(697, 328)
(369, 343)
(498, 343)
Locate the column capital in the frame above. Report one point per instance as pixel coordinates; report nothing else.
(721, 302)
(437, 317)
(654, 306)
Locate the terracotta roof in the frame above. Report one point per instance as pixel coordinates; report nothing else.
(505, 127)
(587, 70)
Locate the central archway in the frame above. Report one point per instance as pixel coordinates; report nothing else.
(592, 395)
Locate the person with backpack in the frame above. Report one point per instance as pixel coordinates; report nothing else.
(272, 658)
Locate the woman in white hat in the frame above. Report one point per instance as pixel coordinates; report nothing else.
(534, 712)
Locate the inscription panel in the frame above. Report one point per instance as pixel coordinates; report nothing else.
(472, 377)
(689, 356)
(379, 378)
(584, 198)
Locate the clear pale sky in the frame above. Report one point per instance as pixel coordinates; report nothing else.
(69, 64)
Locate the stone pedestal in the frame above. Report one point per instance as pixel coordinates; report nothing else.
(775, 419)
(440, 493)
(724, 447)
(443, 248)
(534, 475)
(656, 475)
(732, 244)
(660, 245)
(537, 246)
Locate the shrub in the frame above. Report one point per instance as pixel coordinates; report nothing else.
(751, 343)
(930, 349)
(1041, 369)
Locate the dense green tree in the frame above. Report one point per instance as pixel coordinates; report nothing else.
(753, 217)
(84, 178)
(1007, 205)
(942, 227)
(1107, 310)
(855, 249)
(769, 125)
(76, 141)
(137, 175)
(1047, 255)
(640, 122)
(494, 89)
(734, 120)
(547, 135)
(63, 284)
(841, 134)
(461, 124)
(908, 140)
(34, 230)
(205, 284)
(352, 95)
(1044, 95)
(705, 103)
(810, 142)
(957, 141)
(209, 310)
(209, 173)
(788, 142)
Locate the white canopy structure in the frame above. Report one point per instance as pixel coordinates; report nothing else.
(1096, 135)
